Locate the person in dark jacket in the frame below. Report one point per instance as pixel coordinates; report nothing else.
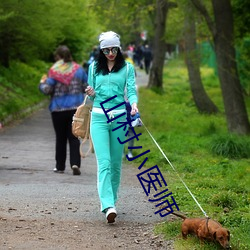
(147, 54)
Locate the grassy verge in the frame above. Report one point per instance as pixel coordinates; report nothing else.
(213, 164)
(19, 88)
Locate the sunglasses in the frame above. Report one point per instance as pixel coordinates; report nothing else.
(106, 51)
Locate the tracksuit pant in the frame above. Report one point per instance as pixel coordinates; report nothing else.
(108, 151)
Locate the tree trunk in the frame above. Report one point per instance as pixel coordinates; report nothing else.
(201, 99)
(235, 109)
(223, 38)
(159, 46)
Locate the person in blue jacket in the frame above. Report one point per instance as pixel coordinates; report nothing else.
(65, 83)
(109, 76)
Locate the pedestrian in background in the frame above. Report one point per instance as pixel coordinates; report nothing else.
(138, 54)
(108, 76)
(147, 54)
(65, 84)
(92, 57)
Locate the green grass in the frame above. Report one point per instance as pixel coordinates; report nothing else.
(19, 88)
(214, 164)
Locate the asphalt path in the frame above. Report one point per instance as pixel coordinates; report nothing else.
(31, 190)
(27, 151)
(26, 164)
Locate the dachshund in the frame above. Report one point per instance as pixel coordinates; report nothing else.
(205, 229)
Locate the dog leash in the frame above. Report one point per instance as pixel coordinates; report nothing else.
(175, 170)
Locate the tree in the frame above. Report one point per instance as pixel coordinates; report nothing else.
(159, 46)
(223, 38)
(201, 99)
(28, 33)
(127, 17)
(23, 33)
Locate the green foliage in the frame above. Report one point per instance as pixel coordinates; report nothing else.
(28, 33)
(174, 25)
(243, 60)
(210, 129)
(241, 17)
(219, 183)
(231, 146)
(128, 18)
(224, 200)
(19, 87)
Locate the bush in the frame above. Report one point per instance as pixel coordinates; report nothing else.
(224, 200)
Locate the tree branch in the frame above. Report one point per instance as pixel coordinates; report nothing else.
(172, 5)
(202, 9)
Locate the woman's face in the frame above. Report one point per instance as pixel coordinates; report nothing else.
(110, 53)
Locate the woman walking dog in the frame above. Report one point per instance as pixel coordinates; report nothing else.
(108, 76)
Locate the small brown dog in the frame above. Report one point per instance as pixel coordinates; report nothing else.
(213, 230)
(205, 229)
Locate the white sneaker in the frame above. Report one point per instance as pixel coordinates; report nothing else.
(58, 171)
(130, 155)
(111, 214)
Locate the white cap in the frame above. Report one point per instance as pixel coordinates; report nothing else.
(109, 39)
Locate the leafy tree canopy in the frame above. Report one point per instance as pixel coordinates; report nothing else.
(33, 32)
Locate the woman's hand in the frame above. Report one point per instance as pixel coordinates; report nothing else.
(90, 91)
(134, 109)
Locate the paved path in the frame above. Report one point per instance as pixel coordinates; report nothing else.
(31, 192)
(26, 163)
(141, 78)
(27, 160)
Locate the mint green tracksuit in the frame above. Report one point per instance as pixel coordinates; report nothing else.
(107, 148)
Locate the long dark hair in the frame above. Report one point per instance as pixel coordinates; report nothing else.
(102, 67)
